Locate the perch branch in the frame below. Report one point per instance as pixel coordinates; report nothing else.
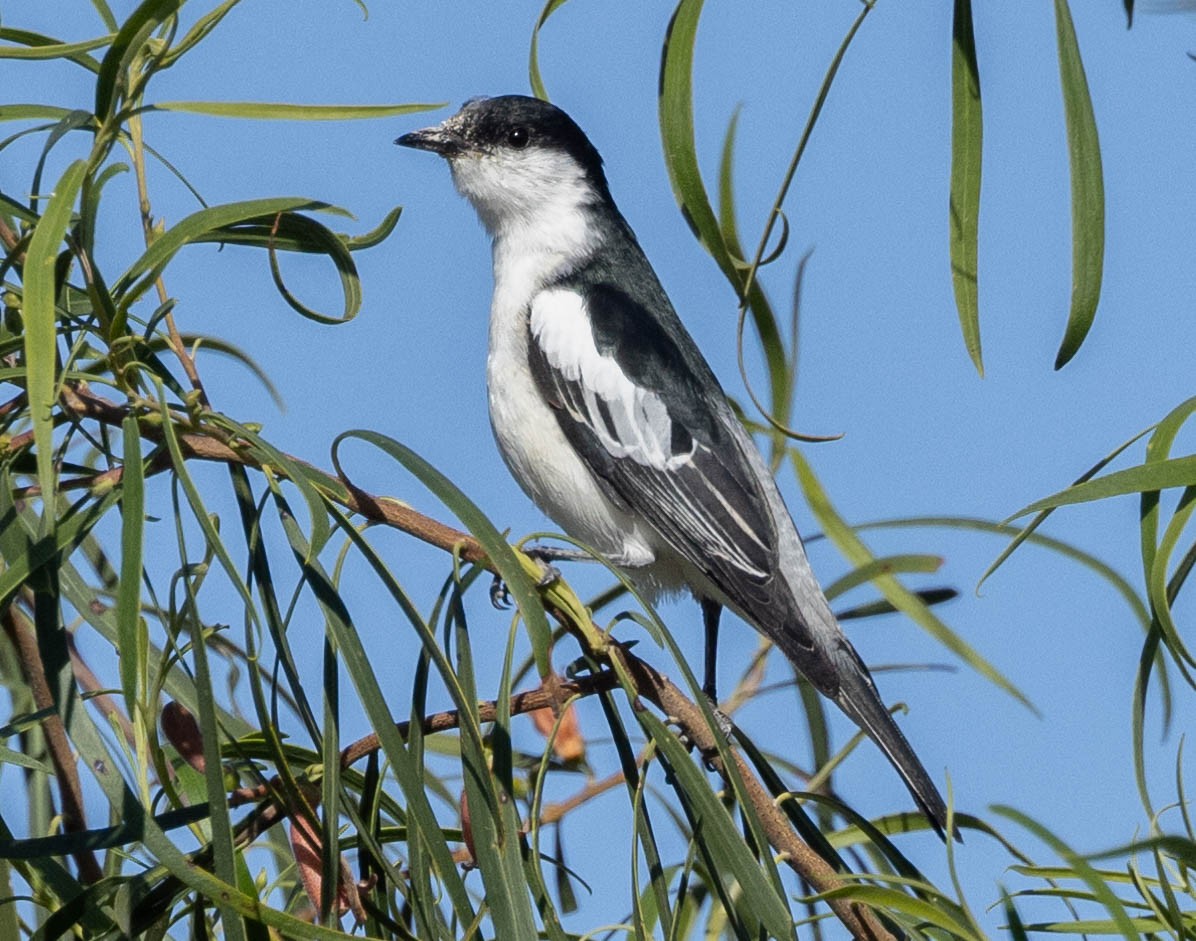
(81, 403)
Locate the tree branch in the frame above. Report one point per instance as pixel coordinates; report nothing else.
(654, 686)
(24, 641)
(209, 445)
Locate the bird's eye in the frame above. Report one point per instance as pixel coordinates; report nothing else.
(518, 137)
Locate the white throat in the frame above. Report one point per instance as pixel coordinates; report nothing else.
(536, 205)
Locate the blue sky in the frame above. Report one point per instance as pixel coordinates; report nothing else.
(882, 360)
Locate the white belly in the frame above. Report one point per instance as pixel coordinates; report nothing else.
(541, 459)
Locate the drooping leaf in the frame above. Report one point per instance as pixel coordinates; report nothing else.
(1087, 189)
(850, 544)
(967, 140)
(533, 55)
(677, 134)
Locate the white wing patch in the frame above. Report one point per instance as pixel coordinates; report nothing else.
(630, 421)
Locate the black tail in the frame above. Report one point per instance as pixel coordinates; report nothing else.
(827, 659)
(859, 699)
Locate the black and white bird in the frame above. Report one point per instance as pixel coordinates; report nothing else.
(611, 420)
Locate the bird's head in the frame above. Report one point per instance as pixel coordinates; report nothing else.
(517, 159)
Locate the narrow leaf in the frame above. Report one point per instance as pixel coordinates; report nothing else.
(533, 55)
(128, 593)
(1087, 189)
(883, 565)
(125, 45)
(286, 111)
(1028, 530)
(1145, 478)
(500, 553)
(850, 544)
(1079, 868)
(37, 46)
(967, 138)
(758, 905)
(40, 335)
(677, 134)
(142, 273)
(21, 112)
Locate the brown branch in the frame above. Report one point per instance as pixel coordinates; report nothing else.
(521, 703)
(654, 686)
(82, 403)
(24, 639)
(860, 920)
(554, 812)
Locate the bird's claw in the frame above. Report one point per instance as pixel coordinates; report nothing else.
(549, 574)
(722, 720)
(500, 595)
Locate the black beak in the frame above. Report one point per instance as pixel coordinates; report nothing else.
(437, 139)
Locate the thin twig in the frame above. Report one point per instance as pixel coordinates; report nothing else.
(137, 150)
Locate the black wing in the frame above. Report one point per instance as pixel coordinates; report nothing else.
(648, 425)
(643, 410)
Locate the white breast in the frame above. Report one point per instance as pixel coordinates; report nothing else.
(529, 438)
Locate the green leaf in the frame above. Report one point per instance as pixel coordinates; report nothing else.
(533, 55)
(920, 910)
(489, 790)
(1028, 530)
(756, 903)
(128, 592)
(10, 918)
(105, 13)
(781, 366)
(24, 112)
(883, 565)
(36, 46)
(219, 821)
(1102, 569)
(1087, 189)
(193, 228)
(205, 520)
(64, 50)
(199, 30)
(1014, 925)
(967, 139)
(21, 760)
(1157, 475)
(677, 134)
(40, 326)
(313, 236)
(1081, 869)
(425, 829)
(850, 544)
(287, 111)
(125, 46)
(495, 546)
(376, 235)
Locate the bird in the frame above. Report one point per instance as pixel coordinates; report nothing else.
(612, 421)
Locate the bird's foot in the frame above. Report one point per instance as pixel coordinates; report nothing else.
(721, 718)
(500, 595)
